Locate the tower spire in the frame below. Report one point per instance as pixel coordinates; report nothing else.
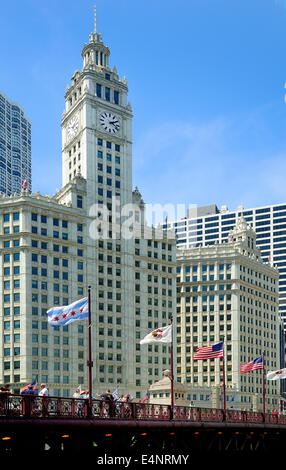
(95, 28)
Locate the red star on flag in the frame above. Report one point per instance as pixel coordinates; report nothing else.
(73, 313)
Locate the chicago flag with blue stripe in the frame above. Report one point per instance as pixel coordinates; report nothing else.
(78, 310)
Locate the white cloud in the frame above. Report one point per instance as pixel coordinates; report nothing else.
(221, 162)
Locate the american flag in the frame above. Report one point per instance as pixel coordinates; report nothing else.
(145, 398)
(252, 365)
(209, 352)
(33, 384)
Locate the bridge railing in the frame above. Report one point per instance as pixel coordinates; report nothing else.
(27, 406)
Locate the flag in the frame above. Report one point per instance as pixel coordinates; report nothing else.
(276, 374)
(161, 335)
(115, 395)
(78, 310)
(252, 365)
(146, 397)
(33, 384)
(209, 352)
(25, 184)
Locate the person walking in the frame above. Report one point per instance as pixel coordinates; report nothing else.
(44, 392)
(77, 393)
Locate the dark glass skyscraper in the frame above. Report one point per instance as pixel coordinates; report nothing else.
(15, 148)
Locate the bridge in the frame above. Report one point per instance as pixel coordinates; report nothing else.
(57, 427)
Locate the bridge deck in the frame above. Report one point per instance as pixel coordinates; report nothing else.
(60, 426)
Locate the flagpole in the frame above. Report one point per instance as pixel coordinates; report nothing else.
(223, 379)
(263, 386)
(89, 362)
(172, 374)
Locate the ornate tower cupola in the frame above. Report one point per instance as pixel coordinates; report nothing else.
(95, 52)
(97, 127)
(244, 236)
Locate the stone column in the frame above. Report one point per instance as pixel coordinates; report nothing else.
(255, 402)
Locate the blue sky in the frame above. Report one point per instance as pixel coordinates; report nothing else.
(206, 82)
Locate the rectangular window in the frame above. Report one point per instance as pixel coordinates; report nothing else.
(98, 90)
(107, 94)
(116, 97)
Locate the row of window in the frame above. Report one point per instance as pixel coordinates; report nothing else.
(108, 181)
(108, 169)
(43, 219)
(105, 92)
(108, 145)
(204, 268)
(108, 157)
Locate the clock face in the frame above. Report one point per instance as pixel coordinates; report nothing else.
(109, 122)
(72, 127)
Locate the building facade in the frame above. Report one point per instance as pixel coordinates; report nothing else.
(15, 147)
(91, 232)
(226, 292)
(207, 225)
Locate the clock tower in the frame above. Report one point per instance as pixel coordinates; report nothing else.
(97, 128)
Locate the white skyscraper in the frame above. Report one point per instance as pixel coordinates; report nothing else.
(53, 248)
(226, 292)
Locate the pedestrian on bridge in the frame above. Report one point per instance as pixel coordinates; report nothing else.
(30, 391)
(5, 390)
(44, 392)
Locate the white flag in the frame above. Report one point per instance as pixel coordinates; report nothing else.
(160, 335)
(276, 374)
